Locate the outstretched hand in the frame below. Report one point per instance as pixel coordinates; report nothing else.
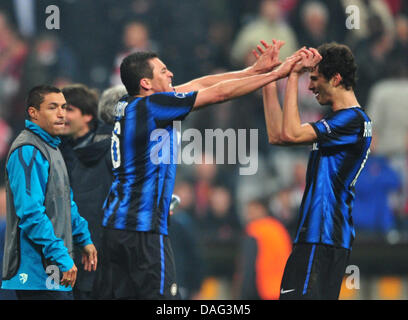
(267, 57)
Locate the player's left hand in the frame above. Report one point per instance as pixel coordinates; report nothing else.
(89, 257)
(267, 57)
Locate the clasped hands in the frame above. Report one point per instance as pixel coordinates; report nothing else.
(267, 59)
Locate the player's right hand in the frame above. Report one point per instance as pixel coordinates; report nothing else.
(267, 58)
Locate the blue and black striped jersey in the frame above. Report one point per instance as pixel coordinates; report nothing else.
(144, 156)
(336, 160)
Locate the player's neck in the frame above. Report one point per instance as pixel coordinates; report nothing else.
(144, 93)
(344, 99)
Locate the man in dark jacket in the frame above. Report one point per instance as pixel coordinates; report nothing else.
(86, 150)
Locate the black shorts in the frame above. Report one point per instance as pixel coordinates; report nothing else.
(314, 271)
(136, 265)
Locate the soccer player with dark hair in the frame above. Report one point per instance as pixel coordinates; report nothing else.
(137, 260)
(340, 146)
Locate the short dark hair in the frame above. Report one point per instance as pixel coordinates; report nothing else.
(83, 98)
(36, 96)
(338, 58)
(134, 68)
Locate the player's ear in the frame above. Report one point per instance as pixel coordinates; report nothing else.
(88, 118)
(336, 80)
(32, 112)
(145, 84)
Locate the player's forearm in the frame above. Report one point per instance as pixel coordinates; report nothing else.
(230, 89)
(291, 128)
(273, 113)
(210, 80)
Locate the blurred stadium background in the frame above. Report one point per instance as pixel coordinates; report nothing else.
(199, 37)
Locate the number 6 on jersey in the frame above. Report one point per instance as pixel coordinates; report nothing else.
(115, 150)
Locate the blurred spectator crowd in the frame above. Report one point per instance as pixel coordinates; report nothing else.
(200, 37)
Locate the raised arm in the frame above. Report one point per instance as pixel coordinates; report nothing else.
(272, 109)
(268, 60)
(273, 113)
(293, 131)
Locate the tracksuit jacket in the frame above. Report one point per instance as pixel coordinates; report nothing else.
(43, 221)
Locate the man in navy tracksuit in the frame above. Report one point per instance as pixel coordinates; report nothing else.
(43, 222)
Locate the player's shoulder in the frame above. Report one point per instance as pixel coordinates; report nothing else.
(24, 155)
(171, 98)
(169, 94)
(346, 115)
(346, 120)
